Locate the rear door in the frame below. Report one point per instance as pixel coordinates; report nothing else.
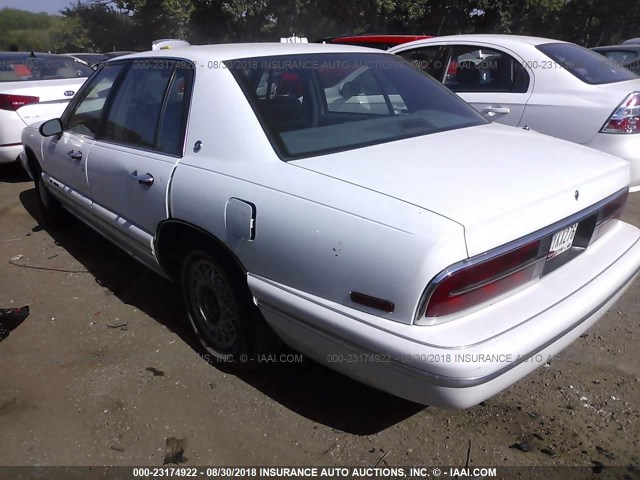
(139, 145)
(491, 79)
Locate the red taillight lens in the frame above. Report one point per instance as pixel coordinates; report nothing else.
(609, 216)
(626, 118)
(14, 102)
(477, 280)
(485, 280)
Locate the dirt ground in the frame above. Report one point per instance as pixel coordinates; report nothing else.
(105, 370)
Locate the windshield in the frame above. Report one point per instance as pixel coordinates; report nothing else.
(322, 103)
(16, 68)
(585, 64)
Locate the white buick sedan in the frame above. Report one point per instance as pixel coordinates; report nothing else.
(553, 87)
(347, 202)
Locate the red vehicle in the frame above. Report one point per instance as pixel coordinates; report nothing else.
(374, 40)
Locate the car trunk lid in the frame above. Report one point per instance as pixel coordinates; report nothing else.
(500, 183)
(53, 96)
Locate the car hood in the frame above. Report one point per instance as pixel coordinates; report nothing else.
(500, 183)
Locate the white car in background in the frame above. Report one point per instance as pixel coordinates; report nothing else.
(553, 87)
(34, 87)
(414, 246)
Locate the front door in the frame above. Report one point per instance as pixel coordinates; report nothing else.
(65, 157)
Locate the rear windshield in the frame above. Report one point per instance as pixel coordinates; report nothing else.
(587, 65)
(15, 68)
(322, 103)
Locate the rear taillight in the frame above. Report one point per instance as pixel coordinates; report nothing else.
(484, 280)
(487, 277)
(14, 102)
(609, 216)
(625, 118)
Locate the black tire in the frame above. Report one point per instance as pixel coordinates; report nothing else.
(222, 313)
(53, 214)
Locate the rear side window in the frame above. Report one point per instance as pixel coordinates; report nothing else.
(150, 107)
(585, 64)
(173, 120)
(134, 115)
(471, 69)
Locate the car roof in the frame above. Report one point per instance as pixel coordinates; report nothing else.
(230, 51)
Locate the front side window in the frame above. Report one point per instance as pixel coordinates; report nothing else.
(474, 69)
(321, 103)
(84, 116)
(585, 64)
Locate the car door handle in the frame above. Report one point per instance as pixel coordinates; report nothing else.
(496, 110)
(75, 155)
(146, 179)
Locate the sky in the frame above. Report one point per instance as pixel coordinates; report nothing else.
(49, 6)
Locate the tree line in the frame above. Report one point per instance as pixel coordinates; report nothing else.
(103, 25)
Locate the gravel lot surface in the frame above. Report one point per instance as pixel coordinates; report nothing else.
(106, 372)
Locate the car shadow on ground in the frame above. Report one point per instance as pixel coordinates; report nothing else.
(307, 388)
(13, 173)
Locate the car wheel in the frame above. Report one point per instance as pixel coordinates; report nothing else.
(52, 212)
(221, 311)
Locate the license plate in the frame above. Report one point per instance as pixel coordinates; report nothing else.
(562, 241)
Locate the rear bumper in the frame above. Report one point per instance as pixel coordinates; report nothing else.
(624, 146)
(10, 153)
(11, 126)
(460, 363)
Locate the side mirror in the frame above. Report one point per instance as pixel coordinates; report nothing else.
(51, 127)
